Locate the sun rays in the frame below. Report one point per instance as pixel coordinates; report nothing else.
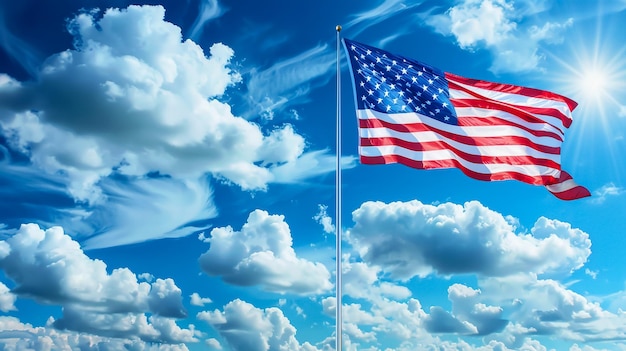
(592, 71)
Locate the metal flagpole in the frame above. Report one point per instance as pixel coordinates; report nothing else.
(338, 314)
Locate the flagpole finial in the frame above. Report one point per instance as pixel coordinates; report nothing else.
(338, 28)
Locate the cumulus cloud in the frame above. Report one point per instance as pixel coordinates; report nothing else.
(125, 325)
(322, 218)
(133, 98)
(135, 111)
(366, 282)
(410, 239)
(248, 328)
(485, 21)
(441, 321)
(262, 254)
(467, 306)
(196, 300)
(7, 299)
(16, 335)
(213, 343)
(547, 307)
(498, 26)
(51, 268)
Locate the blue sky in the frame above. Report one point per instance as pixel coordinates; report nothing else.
(167, 181)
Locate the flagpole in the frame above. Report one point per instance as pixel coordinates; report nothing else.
(338, 231)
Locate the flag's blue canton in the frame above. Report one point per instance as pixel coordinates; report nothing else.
(389, 83)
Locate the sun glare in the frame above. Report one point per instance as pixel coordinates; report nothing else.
(593, 83)
(591, 70)
(595, 79)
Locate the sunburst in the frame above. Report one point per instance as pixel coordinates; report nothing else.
(594, 75)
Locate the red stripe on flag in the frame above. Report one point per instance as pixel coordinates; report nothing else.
(468, 140)
(566, 189)
(474, 158)
(451, 163)
(514, 89)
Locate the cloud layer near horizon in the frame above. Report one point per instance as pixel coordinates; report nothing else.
(51, 268)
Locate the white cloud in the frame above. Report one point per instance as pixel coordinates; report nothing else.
(134, 112)
(248, 328)
(408, 239)
(550, 31)
(18, 49)
(143, 209)
(485, 21)
(600, 195)
(125, 325)
(547, 307)
(441, 321)
(196, 300)
(15, 335)
(366, 282)
(134, 98)
(310, 164)
(51, 268)
(499, 26)
(322, 218)
(207, 10)
(467, 306)
(289, 81)
(369, 18)
(146, 276)
(261, 254)
(213, 343)
(592, 274)
(353, 330)
(7, 299)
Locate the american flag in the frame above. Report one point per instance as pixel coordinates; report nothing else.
(417, 115)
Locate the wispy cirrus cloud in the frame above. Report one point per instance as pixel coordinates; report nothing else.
(288, 82)
(207, 10)
(385, 10)
(19, 50)
(604, 192)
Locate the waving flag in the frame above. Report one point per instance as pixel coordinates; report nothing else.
(417, 115)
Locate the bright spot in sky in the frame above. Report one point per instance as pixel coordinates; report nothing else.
(595, 79)
(592, 71)
(593, 82)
